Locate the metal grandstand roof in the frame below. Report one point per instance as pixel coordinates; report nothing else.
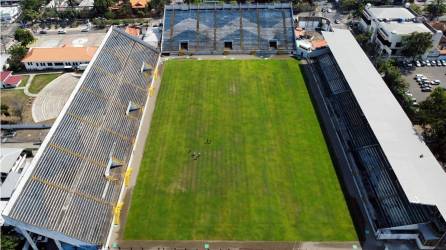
(65, 194)
(420, 175)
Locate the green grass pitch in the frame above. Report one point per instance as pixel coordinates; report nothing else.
(264, 170)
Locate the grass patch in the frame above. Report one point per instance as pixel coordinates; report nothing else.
(264, 171)
(40, 81)
(24, 80)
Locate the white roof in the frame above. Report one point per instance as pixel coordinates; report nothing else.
(8, 156)
(390, 12)
(422, 178)
(405, 28)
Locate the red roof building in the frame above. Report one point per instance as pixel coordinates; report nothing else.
(8, 80)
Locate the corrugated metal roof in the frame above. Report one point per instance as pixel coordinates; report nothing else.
(419, 173)
(66, 190)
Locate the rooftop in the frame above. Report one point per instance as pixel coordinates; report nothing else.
(390, 12)
(420, 175)
(61, 54)
(139, 4)
(8, 156)
(405, 28)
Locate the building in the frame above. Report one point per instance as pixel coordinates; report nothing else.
(228, 29)
(9, 14)
(388, 26)
(72, 189)
(139, 4)
(9, 80)
(393, 178)
(134, 31)
(57, 58)
(13, 162)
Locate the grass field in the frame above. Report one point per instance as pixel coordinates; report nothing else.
(264, 171)
(40, 81)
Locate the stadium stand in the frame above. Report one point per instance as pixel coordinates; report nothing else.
(74, 182)
(228, 28)
(390, 211)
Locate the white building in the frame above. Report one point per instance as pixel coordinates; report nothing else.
(58, 58)
(9, 14)
(388, 26)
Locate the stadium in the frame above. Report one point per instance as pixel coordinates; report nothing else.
(159, 148)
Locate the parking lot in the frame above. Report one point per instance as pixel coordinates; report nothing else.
(74, 40)
(432, 73)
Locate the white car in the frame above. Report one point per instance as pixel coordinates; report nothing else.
(436, 82)
(62, 31)
(418, 64)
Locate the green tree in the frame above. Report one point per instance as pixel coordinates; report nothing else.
(101, 6)
(416, 44)
(4, 109)
(348, 5)
(363, 38)
(29, 15)
(396, 83)
(436, 8)
(433, 119)
(17, 53)
(30, 9)
(24, 36)
(10, 240)
(416, 8)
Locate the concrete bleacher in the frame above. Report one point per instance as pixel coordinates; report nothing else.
(67, 195)
(250, 28)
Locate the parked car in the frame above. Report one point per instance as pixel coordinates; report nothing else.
(43, 32)
(62, 31)
(426, 89)
(337, 21)
(436, 82)
(439, 63)
(434, 63)
(418, 64)
(428, 63)
(443, 62)
(85, 30)
(423, 63)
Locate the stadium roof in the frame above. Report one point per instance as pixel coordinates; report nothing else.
(67, 193)
(420, 175)
(62, 54)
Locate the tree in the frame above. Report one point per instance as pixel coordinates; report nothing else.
(101, 6)
(347, 5)
(30, 9)
(416, 44)
(4, 109)
(396, 83)
(17, 53)
(436, 8)
(363, 38)
(433, 119)
(24, 36)
(416, 8)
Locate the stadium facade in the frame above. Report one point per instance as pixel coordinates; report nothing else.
(72, 189)
(398, 182)
(228, 29)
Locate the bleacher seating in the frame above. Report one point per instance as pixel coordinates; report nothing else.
(390, 206)
(67, 191)
(207, 27)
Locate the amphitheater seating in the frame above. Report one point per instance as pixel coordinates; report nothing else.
(67, 191)
(248, 27)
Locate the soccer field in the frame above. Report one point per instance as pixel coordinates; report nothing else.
(235, 152)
